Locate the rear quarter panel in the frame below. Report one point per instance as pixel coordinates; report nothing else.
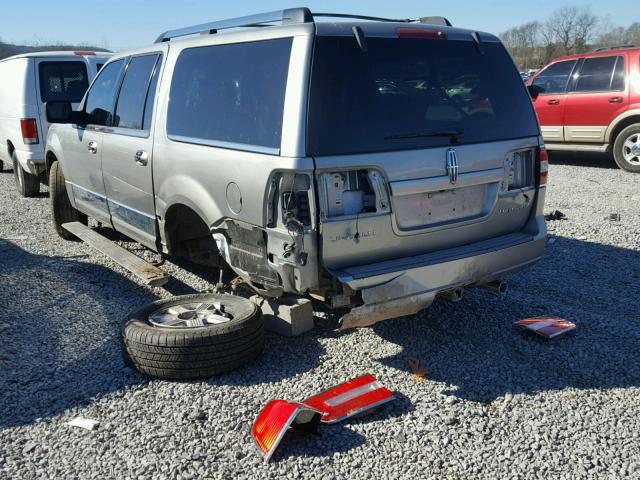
(17, 100)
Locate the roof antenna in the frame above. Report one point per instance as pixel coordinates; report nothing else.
(359, 34)
(478, 41)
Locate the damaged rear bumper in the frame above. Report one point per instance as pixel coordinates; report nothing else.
(402, 287)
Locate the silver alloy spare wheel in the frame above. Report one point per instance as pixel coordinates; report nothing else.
(190, 315)
(193, 336)
(631, 149)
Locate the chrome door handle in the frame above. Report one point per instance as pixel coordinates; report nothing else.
(615, 100)
(554, 102)
(141, 157)
(92, 147)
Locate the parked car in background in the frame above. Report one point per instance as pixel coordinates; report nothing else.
(27, 82)
(591, 102)
(373, 165)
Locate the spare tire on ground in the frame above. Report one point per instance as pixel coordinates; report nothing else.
(193, 336)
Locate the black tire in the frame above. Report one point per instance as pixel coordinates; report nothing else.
(61, 208)
(183, 353)
(1, 166)
(27, 184)
(618, 148)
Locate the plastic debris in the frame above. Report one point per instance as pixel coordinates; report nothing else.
(86, 423)
(555, 215)
(338, 403)
(546, 326)
(350, 398)
(274, 421)
(614, 217)
(417, 368)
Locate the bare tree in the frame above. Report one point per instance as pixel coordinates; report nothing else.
(571, 29)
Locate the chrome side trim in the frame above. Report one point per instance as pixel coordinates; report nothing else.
(431, 184)
(227, 145)
(135, 218)
(88, 196)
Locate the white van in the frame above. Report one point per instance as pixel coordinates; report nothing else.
(27, 82)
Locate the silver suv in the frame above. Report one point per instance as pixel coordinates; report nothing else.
(370, 163)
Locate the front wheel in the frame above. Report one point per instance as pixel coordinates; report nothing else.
(626, 149)
(27, 184)
(61, 208)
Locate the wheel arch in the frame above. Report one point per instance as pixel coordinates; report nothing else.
(623, 121)
(185, 233)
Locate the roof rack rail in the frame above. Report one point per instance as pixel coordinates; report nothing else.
(615, 47)
(290, 15)
(287, 16)
(363, 17)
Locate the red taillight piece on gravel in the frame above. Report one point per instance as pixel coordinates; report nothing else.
(275, 419)
(544, 166)
(29, 131)
(350, 398)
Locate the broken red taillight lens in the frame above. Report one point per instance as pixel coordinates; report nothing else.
(423, 33)
(350, 398)
(29, 131)
(544, 166)
(274, 421)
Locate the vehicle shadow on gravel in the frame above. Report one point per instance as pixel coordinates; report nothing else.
(584, 159)
(54, 354)
(472, 347)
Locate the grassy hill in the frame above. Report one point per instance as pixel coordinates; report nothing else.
(9, 49)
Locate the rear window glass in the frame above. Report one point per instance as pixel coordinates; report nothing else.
(230, 94)
(133, 92)
(413, 93)
(597, 74)
(63, 81)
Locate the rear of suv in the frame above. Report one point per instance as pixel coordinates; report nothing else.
(371, 164)
(27, 83)
(591, 102)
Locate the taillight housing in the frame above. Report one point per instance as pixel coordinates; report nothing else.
(544, 165)
(29, 129)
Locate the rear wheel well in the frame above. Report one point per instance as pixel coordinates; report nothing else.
(624, 123)
(49, 160)
(187, 235)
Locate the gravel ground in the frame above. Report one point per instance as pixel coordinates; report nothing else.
(496, 405)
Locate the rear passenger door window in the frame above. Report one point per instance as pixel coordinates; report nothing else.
(230, 95)
(101, 97)
(135, 93)
(554, 78)
(598, 74)
(63, 81)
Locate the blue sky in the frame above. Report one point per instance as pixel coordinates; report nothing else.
(122, 24)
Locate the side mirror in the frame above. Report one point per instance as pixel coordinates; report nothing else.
(62, 112)
(59, 112)
(534, 91)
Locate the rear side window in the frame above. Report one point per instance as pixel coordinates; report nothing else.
(230, 94)
(407, 93)
(596, 74)
(102, 95)
(63, 81)
(555, 77)
(99, 67)
(133, 93)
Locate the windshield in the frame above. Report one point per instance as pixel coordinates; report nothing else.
(413, 93)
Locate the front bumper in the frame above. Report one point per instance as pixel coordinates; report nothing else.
(403, 287)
